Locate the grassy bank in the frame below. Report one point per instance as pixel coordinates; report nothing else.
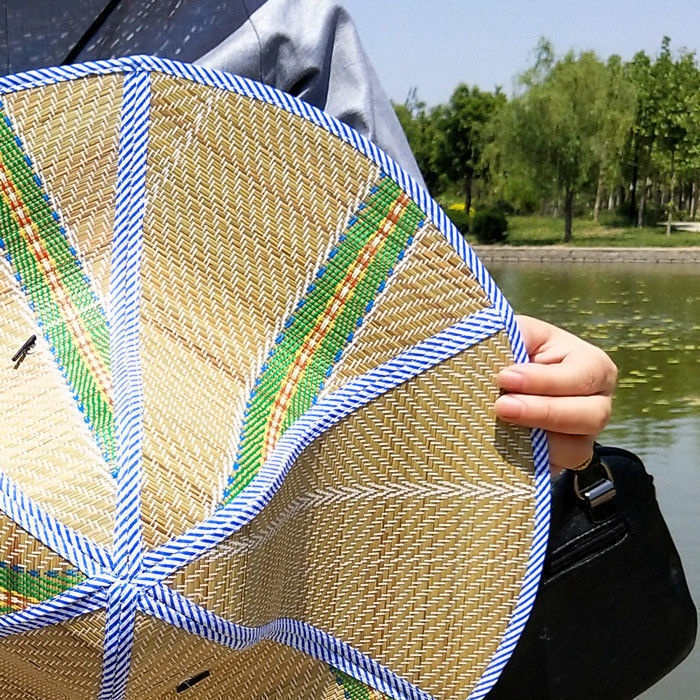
(546, 230)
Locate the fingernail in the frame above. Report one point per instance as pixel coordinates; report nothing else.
(510, 379)
(509, 407)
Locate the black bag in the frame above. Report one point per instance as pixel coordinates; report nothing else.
(613, 614)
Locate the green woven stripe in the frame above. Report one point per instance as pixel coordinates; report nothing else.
(315, 302)
(90, 397)
(305, 317)
(63, 260)
(346, 324)
(63, 257)
(33, 585)
(352, 688)
(310, 310)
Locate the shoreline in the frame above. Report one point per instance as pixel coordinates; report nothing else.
(565, 254)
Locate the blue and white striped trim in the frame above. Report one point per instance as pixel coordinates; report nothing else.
(118, 640)
(533, 572)
(182, 550)
(169, 606)
(125, 295)
(327, 412)
(86, 597)
(80, 551)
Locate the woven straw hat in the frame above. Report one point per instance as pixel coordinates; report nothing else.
(247, 376)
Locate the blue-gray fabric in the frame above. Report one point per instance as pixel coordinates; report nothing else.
(309, 48)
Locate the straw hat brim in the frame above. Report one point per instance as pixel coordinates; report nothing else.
(252, 446)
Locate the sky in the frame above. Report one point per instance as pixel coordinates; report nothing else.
(434, 45)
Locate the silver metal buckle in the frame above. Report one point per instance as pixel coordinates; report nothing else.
(598, 492)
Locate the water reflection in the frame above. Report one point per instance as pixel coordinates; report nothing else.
(648, 319)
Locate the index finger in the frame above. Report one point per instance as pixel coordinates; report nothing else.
(574, 376)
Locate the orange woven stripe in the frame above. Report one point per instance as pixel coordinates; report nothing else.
(69, 313)
(326, 321)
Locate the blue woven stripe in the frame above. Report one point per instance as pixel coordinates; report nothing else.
(533, 572)
(125, 298)
(177, 610)
(126, 370)
(118, 642)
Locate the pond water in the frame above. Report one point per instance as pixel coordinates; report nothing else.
(647, 317)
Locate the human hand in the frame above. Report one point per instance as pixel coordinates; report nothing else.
(566, 389)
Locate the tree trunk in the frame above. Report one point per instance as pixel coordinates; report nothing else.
(691, 205)
(642, 207)
(568, 214)
(671, 193)
(598, 199)
(620, 198)
(635, 176)
(468, 187)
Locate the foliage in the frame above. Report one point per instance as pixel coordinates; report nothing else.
(616, 119)
(462, 129)
(675, 111)
(579, 136)
(489, 226)
(552, 132)
(421, 131)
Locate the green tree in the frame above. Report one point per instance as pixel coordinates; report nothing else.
(665, 138)
(615, 115)
(642, 136)
(418, 124)
(677, 110)
(462, 128)
(552, 132)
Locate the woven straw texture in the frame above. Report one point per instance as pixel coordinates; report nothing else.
(61, 661)
(237, 173)
(267, 670)
(401, 573)
(79, 166)
(251, 450)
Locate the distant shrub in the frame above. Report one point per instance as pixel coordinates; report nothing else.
(506, 207)
(620, 218)
(489, 226)
(654, 214)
